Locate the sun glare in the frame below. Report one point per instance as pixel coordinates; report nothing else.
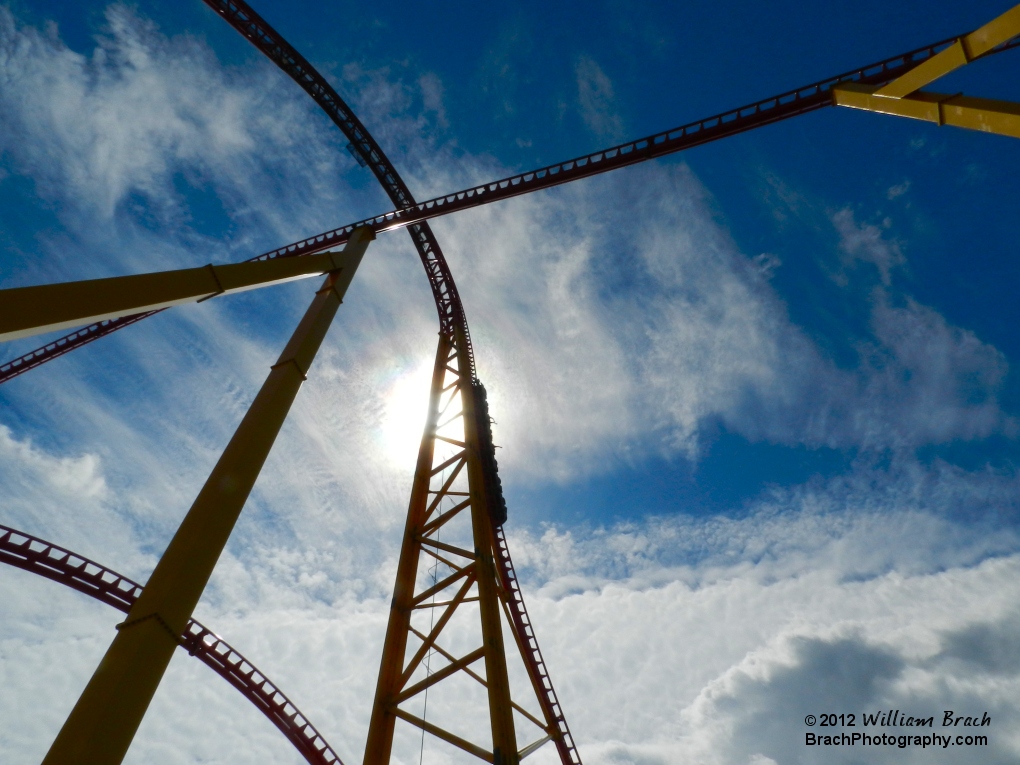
(404, 410)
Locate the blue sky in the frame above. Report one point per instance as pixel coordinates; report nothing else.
(757, 403)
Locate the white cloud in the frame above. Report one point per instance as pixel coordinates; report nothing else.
(671, 639)
(943, 379)
(898, 190)
(719, 661)
(432, 97)
(71, 477)
(667, 637)
(107, 137)
(597, 100)
(865, 242)
(145, 109)
(846, 522)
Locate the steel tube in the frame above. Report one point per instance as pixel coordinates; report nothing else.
(102, 724)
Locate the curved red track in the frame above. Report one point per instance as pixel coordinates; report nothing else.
(40, 557)
(452, 321)
(116, 590)
(444, 291)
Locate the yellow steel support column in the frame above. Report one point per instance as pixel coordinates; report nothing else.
(902, 96)
(458, 480)
(27, 311)
(960, 53)
(504, 738)
(103, 722)
(380, 729)
(984, 114)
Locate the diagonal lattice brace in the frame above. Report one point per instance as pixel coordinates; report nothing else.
(456, 492)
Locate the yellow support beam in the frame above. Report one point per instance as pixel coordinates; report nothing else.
(960, 53)
(984, 114)
(27, 311)
(102, 724)
(384, 712)
(449, 379)
(501, 717)
(903, 98)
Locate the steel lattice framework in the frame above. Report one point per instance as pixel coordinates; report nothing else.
(454, 349)
(456, 491)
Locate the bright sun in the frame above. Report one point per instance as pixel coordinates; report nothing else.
(404, 410)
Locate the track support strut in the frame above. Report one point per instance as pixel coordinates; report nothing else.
(102, 724)
(455, 586)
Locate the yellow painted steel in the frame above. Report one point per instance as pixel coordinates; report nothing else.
(902, 96)
(941, 63)
(396, 669)
(384, 711)
(984, 114)
(27, 311)
(995, 32)
(960, 53)
(102, 724)
(501, 717)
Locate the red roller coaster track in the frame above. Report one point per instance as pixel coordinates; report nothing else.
(805, 99)
(38, 556)
(452, 320)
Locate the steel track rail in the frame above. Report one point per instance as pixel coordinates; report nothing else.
(408, 214)
(792, 103)
(453, 322)
(272, 44)
(521, 622)
(38, 556)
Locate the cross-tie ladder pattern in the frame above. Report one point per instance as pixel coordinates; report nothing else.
(40, 557)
